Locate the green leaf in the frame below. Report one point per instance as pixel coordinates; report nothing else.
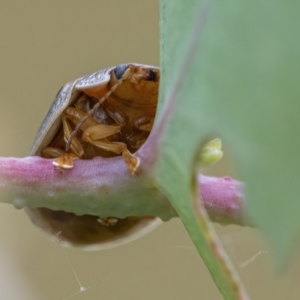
(186, 126)
(237, 78)
(249, 85)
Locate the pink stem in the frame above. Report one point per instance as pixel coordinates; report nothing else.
(105, 185)
(223, 199)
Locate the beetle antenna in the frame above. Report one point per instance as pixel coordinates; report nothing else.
(90, 112)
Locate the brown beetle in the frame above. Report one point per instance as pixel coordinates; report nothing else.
(108, 113)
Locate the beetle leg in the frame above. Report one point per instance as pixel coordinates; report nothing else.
(75, 115)
(132, 161)
(63, 160)
(110, 221)
(144, 124)
(52, 152)
(117, 116)
(100, 131)
(75, 146)
(124, 76)
(96, 135)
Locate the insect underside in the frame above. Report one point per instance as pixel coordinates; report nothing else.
(115, 122)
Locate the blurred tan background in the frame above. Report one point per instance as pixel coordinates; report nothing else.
(43, 45)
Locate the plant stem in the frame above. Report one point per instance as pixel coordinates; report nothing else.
(104, 187)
